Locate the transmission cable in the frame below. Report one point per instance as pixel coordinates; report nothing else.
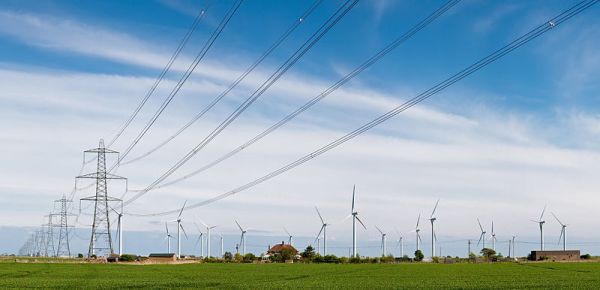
(366, 64)
(162, 74)
(534, 33)
(334, 19)
(184, 78)
(280, 40)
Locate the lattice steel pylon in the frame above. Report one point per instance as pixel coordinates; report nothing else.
(49, 237)
(64, 247)
(101, 240)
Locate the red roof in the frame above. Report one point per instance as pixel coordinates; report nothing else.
(280, 247)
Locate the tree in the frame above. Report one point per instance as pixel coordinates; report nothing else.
(488, 253)
(308, 254)
(286, 254)
(228, 256)
(419, 256)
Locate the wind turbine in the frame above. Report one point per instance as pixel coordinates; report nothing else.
(290, 237)
(119, 228)
(324, 231)
(417, 230)
(493, 237)
(432, 219)
(168, 238)
(208, 228)
(383, 235)
(242, 238)
(563, 232)
(355, 218)
(541, 222)
(200, 241)
(400, 244)
(482, 236)
(179, 226)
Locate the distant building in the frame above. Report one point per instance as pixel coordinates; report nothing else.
(162, 257)
(572, 255)
(277, 249)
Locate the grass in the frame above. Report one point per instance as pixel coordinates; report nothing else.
(268, 276)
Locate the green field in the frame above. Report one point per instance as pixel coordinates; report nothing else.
(263, 276)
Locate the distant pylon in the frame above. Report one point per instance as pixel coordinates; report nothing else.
(101, 240)
(49, 249)
(64, 248)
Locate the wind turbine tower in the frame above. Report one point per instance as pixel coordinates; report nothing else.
(323, 230)
(541, 223)
(417, 230)
(290, 237)
(482, 236)
(493, 237)
(383, 235)
(563, 233)
(168, 238)
(180, 227)
(432, 219)
(355, 218)
(242, 238)
(208, 228)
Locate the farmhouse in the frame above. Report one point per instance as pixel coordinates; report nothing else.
(162, 257)
(277, 249)
(572, 255)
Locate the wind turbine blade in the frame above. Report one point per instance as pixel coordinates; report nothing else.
(434, 236)
(353, 192)
(320, 231)
(537, 222)
(543, 211)
(202, 222)
(181, 211)
(418, 220)
(212, 227)
(198, 227)
(322, 221)
(492, 227)
(480, 237)
(286, 231)
(167, 228)
(361, 222)
(562, 232)
(381, 232)
(557, 219)
(419, 236)
(238, 224)
(480, 226)
(435, 207)
(198, 240)
(184, 233)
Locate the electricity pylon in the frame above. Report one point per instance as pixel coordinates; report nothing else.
(49, 235)
(64, 248)
(101, 240)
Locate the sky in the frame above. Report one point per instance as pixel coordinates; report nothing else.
(499, 145)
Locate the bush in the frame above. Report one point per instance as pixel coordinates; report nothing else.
(354, 260)
(249, 258)
(586, 256)
(435, 259)
(80, 256)
(127, 258)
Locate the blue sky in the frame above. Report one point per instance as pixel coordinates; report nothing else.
(522, 131)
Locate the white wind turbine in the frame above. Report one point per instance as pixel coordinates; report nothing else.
(242, 238)
(168, 238)
(541, 222)
(432, 219)
(493, 238)
(324, 231)
(563, 232)
(208, 228)
(290, 237)
(180, 227)
(482, 236)
(400, 244)
(417, 230)
(200, 241)
(355, 218)
(383, 236)
(222, 252)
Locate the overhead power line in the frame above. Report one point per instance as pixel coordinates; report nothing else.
(279, 40)
(162, 74)
(183, 78)
(366, 64)
(532, 34)
(334, 19)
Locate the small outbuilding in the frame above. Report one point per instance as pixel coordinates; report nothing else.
(162, 257)
(569, 255)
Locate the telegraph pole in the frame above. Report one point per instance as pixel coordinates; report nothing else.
(101, 241)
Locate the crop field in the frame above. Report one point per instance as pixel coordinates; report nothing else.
(268, 276)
